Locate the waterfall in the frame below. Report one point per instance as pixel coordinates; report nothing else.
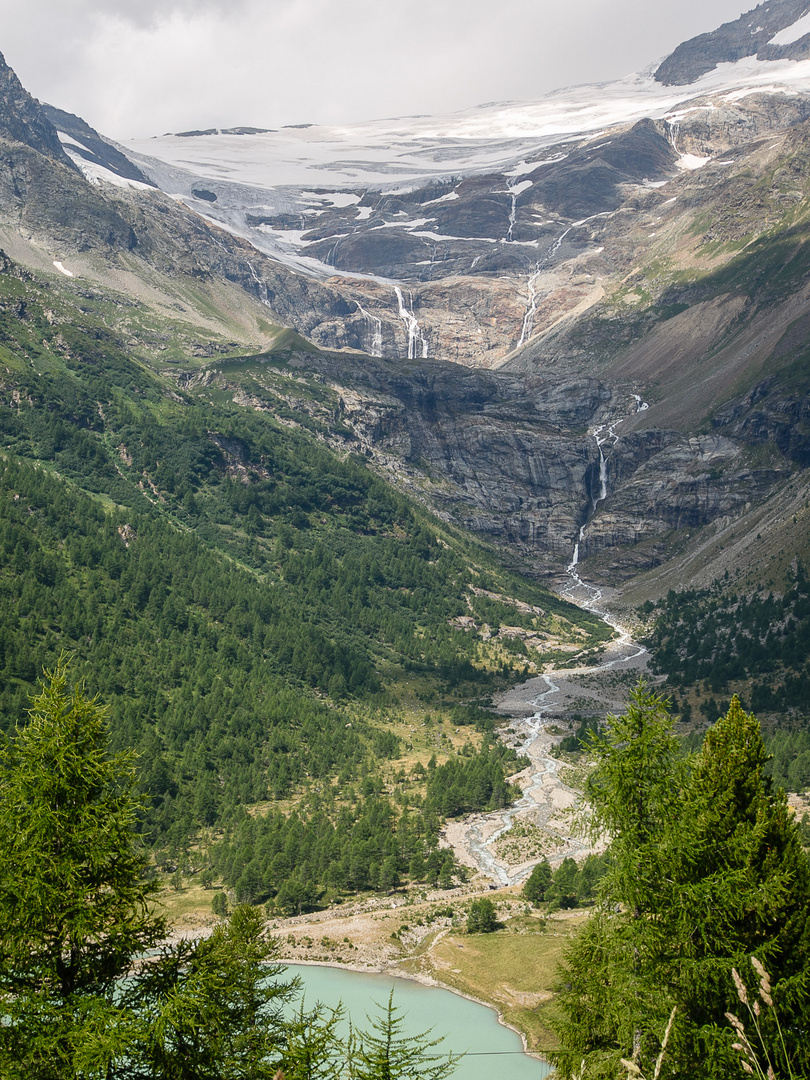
(598, 433)
(595, 499)
(555, 247)
(528, 318)
(415, 335)
(531, 309)
(575, 557)
(602, 477)
(376, 324)
(262, 284)
(673, 129)
(514, 186)
(514, 192)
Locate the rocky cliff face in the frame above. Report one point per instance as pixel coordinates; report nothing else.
(643, 293)
(22, 119)
(537, 463)
(750, 35)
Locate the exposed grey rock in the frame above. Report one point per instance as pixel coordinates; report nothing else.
(720, 126)
(515, 457)
(590, 180)
(49, 200)
(771, 413)
(93, 147)
(23, 120)
(685, 485)
(599, 272)
(747, 36)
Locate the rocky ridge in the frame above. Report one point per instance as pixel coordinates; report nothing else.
(750, 35)
(22, 119)
(642, 291)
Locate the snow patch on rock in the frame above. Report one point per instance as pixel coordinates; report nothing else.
(793, 32)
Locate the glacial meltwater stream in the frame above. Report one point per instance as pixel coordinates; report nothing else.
(491, 1049)
(535, 705)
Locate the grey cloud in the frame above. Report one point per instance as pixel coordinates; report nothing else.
(138, 67)
(147, 13)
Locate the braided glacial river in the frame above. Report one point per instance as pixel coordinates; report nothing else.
(541, 704)
(469, 1027)
(534, 707)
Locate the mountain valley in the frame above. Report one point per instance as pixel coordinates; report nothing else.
(312, 438)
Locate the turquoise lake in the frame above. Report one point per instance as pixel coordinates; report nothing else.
(492, 1050)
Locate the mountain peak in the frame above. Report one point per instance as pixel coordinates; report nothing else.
(22, 118)
(776, 30)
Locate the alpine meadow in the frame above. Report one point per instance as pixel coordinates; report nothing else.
(404, 552)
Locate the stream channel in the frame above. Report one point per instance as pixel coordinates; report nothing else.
(469, 1027)
(544, 807)
(544, 702)
(546, 798)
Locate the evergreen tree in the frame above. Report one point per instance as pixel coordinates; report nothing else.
(313, 1050)
(211, 1009)
(74, 900)
(481, 918)
(609, 1001)
(563, 889)
(590, 873)
(706, 870)
(75, 914)
(387, 1053)
(740, 887)
(633, 795)
(538, 882)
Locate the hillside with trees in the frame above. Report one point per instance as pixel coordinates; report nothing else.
(88, 985)
(252, 605)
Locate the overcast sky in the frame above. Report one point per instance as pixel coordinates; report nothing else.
(143, 67)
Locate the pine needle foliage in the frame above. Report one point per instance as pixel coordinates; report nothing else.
(386, 1052)
(706, 869)
(74, 899)
(89, 987)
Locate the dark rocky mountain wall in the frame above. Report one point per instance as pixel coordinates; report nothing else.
(22, 119)
(747, 36)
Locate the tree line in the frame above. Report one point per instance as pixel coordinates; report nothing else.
(717, 637)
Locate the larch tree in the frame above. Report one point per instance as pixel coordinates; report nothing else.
(610, 1004)
(706, 871)
(74, 898)
(75, 916)
(388, 1052)
(738, 885)
(78, 999)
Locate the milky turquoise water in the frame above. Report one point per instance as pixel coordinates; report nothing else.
(493, 1051)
